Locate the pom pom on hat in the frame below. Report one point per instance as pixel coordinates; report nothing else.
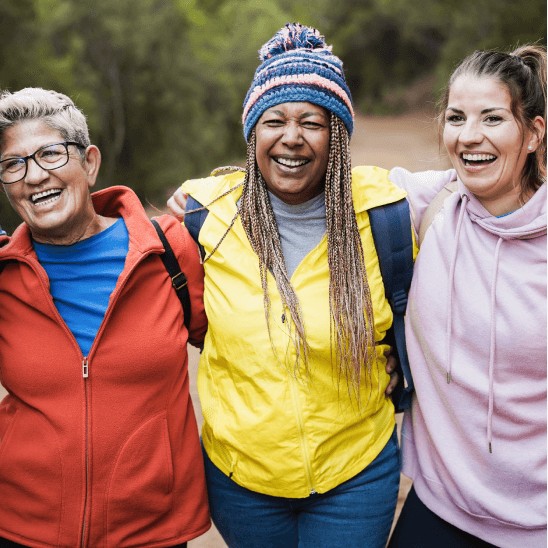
(292, 36)
(298, 66)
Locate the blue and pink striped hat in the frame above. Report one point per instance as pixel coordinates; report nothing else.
(297, 65)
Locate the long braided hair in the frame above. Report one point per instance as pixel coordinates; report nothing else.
(297, 65)
(351, 309)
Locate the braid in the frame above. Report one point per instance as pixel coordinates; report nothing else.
(349, 295)
(260, 225)
(202, 208)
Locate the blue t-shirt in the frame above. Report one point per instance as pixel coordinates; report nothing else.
(82, 277)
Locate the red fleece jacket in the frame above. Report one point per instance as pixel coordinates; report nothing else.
(113, 459)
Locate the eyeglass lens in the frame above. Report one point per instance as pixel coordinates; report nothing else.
(48, 157)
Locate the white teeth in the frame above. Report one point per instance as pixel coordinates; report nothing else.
(291, 163)
(53, 191)
(478, 157)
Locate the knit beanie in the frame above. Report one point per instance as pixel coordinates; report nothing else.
(297, 65)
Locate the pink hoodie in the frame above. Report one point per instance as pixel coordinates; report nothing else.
(474, 442)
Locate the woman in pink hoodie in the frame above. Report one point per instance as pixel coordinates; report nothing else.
(474, 442)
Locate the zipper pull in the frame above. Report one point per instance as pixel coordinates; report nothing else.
(85, 372)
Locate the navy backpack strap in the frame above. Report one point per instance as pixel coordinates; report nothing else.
(195, 221)
(391, 228)
(178, 279)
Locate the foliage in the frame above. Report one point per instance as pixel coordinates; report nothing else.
(162, 81)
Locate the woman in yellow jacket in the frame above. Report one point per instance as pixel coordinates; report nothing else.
(299, 436)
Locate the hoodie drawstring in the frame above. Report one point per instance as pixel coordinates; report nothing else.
(492, 345)
(450, 292)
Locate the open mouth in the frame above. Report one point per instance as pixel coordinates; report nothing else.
(46, 197)
(290, 162)
(477, 159)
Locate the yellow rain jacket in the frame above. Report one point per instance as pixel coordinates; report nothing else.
(269, 429)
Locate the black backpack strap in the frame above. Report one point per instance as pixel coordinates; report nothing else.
(178, 279)
(391, 228)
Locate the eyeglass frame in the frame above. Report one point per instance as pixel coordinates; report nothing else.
(32, 157)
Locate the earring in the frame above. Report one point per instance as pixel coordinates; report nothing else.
(530, 148)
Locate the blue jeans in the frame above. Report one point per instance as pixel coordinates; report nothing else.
(357, 513)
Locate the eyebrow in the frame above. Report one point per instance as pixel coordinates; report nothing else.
(484, 111)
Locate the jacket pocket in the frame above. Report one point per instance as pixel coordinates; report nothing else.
(139, 497)
(31, 474)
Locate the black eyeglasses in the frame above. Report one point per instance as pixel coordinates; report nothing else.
(47, 157)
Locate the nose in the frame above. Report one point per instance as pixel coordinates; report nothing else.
(35, 174)
(470, 133)
(292, 135)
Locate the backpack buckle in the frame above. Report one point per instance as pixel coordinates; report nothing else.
(179, 281)
(399, 301)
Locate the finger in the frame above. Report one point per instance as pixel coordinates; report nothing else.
(175, 209)
(391, 363)
(180, 197)
(394, 377)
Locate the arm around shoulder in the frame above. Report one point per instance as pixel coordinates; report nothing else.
(421, 187)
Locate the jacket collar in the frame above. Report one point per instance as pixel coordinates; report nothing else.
(370, 184)
(115, 201)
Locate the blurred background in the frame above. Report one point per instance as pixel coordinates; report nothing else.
(162, 81)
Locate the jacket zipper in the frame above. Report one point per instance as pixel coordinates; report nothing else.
(304, 442)
(85, 373)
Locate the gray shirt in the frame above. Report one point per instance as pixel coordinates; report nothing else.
(301, 228)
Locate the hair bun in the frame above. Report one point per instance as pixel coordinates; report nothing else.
(291, 37)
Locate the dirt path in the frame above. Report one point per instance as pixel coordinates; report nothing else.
(409, 141)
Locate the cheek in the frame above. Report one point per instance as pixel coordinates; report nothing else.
(449, 139)
(262, 165)
(321, 148)
(12, 197)
(260, 154)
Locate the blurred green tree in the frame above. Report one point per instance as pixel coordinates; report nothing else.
(162, 81)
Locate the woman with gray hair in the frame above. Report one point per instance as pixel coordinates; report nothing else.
(98, 439)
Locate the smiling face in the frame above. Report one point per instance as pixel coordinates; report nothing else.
(292, 150)
(56, 205)
(485, 143)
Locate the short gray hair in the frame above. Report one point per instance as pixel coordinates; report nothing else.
(55, 109)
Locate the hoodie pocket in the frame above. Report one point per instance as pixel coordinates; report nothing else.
(140, 489)
(31, 473)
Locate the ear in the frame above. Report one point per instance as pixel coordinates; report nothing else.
(537, 134)
(92, 163)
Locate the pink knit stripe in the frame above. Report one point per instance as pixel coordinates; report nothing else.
(296, 56)
(297, 79)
